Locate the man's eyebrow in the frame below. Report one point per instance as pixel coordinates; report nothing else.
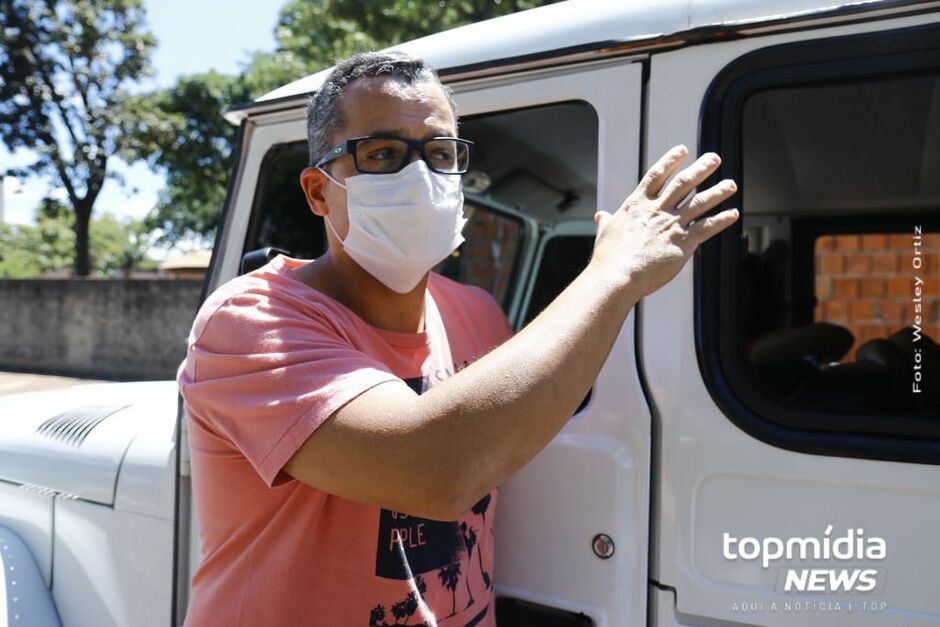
(399, 132)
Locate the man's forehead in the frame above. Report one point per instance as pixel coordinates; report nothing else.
(393, 87)
(378, 105)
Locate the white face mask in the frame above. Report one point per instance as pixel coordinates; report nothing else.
(403, 224)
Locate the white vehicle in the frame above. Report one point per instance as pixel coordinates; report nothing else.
(755, 450)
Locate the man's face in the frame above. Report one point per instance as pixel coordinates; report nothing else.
(377, 106)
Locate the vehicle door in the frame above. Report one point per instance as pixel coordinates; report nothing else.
(792, 374)
(553, 147)
(571, 527)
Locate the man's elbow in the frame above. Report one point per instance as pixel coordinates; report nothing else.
(438, 511)
(447, 499)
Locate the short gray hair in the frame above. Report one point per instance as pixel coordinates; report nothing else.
(325, 112)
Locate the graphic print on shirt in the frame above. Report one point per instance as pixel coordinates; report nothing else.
(430, 551)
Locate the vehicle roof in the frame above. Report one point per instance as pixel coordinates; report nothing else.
(596, 26)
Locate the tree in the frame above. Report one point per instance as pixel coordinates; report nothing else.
(116, 246)
(28, 250)
(321, 33)
(119, 246)
(181, 130)
(449, 576)
(64, 69)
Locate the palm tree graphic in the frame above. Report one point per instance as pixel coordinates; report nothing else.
(377, 617)
(398, 610)
(470, 540)
(480, 510)
(449, 576)
(411, 606)
(403, 609)
(481, 506)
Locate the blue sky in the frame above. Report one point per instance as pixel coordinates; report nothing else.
(193, 36)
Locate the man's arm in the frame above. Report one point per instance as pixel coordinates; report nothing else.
(436, 454)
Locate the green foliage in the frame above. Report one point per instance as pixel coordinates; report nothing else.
(312, 36)
(64, 67)
(181, 130)
(27, 250)
(116, 246)
(119, 246)
(321, 33)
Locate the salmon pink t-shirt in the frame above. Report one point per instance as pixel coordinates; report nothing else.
(269, 360)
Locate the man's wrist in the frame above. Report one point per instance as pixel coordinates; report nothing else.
(615, 285)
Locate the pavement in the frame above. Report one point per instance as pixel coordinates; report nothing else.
(15, 382)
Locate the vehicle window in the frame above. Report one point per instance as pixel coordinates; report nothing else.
(564, 258)
(828, 156)
(826, 316)
(281, 217)
(863, 283)
(535, 166)
(489, 256)
(531, 168)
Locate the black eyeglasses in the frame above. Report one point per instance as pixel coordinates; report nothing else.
(389, 154)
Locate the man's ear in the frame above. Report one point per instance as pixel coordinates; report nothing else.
(313, 182)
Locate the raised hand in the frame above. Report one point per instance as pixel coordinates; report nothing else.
(654, 232)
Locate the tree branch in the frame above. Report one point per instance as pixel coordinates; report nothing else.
(79, 87)
(56, 98)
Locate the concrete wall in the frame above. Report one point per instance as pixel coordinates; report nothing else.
(110, 328)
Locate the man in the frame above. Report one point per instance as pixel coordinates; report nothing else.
(337, 481)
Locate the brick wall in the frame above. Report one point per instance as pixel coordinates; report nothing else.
(490, 251)
(866, 283)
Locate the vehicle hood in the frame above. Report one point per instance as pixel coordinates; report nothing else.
(74, 441)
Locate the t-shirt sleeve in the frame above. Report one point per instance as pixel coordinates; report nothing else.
(495, 319)
(264, 375)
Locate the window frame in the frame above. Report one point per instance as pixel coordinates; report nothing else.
(263, 186)
(568, 228)
(844, 59)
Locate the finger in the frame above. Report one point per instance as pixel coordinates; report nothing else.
(656, 176)
(687, 180)
(705, 228)
(705, 200)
